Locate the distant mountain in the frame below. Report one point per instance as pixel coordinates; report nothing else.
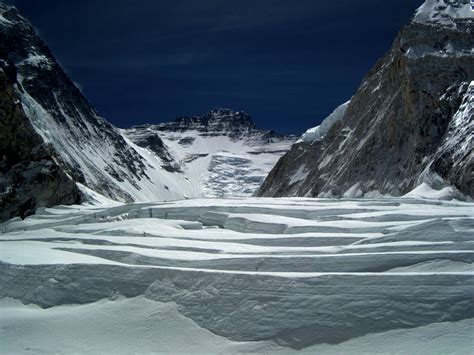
(56, 149)
(88, 149)
(221, 153)
(215, 122)
(411, 121)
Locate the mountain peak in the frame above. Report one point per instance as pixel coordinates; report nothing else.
(234, 118)
(446, 13)
(408, 123)
(224, 112)
(216, 120)
(9, 16)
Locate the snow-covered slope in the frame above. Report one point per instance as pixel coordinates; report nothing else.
(300, 273)
(142, 326)
(221, 153)
(318, 132)
(87, 147)
(445, 12)
(218, 154)
(409, 123)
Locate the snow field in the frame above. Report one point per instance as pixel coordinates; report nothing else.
(283, 274)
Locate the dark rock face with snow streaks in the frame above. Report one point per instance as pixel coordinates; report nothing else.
(87, 149)
(222, 153)
(29, 174)
(217, 120)
(61, 115)
(231, 156)
(410, 121)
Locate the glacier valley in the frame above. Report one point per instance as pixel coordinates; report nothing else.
(206, 234)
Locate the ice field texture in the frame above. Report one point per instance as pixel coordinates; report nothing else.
(240, 275)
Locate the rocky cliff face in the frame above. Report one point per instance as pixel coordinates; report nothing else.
(86, 147)
(29, 174)
(410, 121)
(218, 121)
(216, 154)
(221, 153)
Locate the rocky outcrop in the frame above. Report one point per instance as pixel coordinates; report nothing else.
(221, 153)
(190, 157)
(86, 147)
(29, 174)
(147, 138)
(409, 122)
(62, 116)
(218, 121)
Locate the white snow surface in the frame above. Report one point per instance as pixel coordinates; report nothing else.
(444, 12)
(240, 275)
(94, 157)
(217, 165)
(215, 229)
(139, 325)
(318, 132)
(426, 191)
(123, 326)
(36, 60)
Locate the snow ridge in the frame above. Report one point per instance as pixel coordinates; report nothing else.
(299, 272)
(220, 153)
(444, 12)
(318, 132)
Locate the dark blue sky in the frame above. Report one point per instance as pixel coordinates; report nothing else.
(288, 63)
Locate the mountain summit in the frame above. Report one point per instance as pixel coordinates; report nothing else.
(90, 151)
(448, 13)
(57, 149)
(409, 123)
(222, 153)
(217, 120)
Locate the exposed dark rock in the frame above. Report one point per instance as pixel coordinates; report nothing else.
(29, 175)
(144, 137)
(405, 125)
(213, 150)
(215, 121)
(86, 147)
(58, 111)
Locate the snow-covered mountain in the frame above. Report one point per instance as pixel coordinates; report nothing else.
(409, 123)
(317, 133)
(88, 148)
(28, 168)
(221, 153)
(85, 149)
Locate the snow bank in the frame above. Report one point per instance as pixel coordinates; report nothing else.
(426, 191)
(139, 325)
(123, 326)
(438, 338)
(444, 12)
(295, 271)
(318, 132)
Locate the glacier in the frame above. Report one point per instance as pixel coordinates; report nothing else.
(220, 154)
(167, 252)
(240, 275)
